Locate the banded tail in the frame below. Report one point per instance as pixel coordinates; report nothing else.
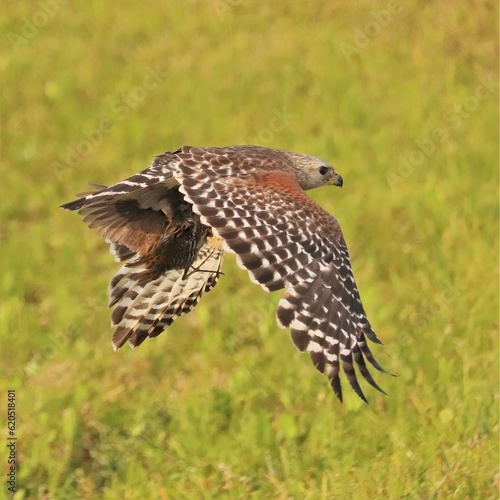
(145, 305)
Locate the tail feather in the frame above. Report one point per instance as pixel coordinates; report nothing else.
(120, 252)
(145, 305)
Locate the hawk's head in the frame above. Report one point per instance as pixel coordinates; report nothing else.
(313, 172)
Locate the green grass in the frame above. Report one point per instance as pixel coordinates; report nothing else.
(222, 404)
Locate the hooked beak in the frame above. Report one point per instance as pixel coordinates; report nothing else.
(335, 180)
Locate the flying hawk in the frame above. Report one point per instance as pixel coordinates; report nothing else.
(171, 224)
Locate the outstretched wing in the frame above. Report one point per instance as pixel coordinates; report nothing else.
(131, 213)
(169, 262)
(285, 240)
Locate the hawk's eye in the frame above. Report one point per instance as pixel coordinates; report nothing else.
(323, 170)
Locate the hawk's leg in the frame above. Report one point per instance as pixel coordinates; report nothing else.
(188, 273)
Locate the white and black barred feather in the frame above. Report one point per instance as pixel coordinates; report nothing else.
(170, 259)
(144, 307)
(285, 240)
(167, 223)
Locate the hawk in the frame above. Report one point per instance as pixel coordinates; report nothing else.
(171, 224)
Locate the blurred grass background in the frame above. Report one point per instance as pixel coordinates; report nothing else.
(402, 98)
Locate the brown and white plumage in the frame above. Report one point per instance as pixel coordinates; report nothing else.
(167, 225)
